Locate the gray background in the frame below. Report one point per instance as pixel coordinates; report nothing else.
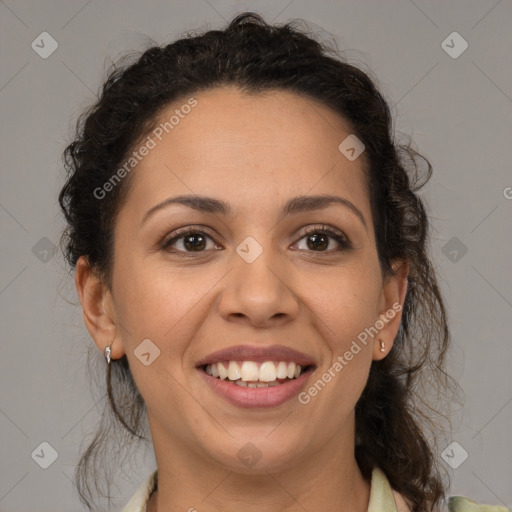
(457, 110)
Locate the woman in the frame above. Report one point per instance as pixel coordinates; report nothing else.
(251, 256)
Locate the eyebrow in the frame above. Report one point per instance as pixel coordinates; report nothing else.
(295, 205)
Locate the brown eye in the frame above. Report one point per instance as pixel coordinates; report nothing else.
(190, 240)
(319, 240)
(194, 242)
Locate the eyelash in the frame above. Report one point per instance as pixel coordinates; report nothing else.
(343, 241)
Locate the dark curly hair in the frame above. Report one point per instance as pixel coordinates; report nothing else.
(404, 390)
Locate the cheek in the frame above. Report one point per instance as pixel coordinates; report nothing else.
(161, 303)
(345, 308)
(154, 305)
(345, 303)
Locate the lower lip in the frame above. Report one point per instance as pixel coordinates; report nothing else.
(256, 397)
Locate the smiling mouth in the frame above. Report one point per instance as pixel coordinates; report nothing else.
(251, 374)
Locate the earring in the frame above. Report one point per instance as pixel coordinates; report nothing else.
(106, 352)
(382, 345)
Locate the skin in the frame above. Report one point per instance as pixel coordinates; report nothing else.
(254, 152)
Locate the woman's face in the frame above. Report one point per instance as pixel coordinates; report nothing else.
(252, 277)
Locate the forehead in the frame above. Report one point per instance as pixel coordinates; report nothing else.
(227, 120)
(239, 145)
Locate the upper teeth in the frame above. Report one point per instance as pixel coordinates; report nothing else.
(267, 371)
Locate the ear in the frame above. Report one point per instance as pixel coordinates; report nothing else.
(394, 290)
(97, 307)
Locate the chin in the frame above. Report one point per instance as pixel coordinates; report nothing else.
(258, 453)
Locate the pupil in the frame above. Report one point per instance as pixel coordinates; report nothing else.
(189, 244)
(316, 238)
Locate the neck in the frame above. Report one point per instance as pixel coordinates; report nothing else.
(329, 480)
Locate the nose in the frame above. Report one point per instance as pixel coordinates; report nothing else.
(258, 293)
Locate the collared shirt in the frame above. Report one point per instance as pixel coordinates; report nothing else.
(382, 498)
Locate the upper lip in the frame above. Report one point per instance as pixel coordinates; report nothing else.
(257, 354)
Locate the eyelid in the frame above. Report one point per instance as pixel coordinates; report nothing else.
(323, 228)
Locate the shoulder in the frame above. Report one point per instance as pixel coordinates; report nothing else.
(463, 504)
(384, 498)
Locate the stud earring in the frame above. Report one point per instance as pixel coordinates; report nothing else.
(382, 345)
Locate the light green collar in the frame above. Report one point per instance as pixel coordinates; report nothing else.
(382, 499)
(381, 495)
